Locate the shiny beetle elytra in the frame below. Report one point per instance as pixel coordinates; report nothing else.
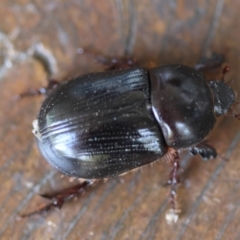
(105, 124)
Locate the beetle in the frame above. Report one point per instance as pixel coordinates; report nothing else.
(105, 124)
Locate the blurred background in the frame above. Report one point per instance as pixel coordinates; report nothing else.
(37, 34)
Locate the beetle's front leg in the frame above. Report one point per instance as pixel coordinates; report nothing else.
(59, 198)
(206, 151)
(210, 63)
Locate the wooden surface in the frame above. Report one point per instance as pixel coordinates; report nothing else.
(133, 206)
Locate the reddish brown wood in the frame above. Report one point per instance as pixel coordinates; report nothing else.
(132, 206)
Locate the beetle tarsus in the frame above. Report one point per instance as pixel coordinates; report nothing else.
(59, 198)
(52, 84)
(40, 211)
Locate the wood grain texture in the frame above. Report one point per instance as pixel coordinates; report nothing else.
(132, 206)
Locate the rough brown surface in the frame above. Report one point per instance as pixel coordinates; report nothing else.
(133, 206)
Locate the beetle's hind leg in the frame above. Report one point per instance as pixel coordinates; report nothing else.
(57, 199)
(110, 63)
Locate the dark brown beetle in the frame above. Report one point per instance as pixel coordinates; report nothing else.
(105, 124)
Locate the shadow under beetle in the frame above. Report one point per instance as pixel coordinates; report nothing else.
(105, 124)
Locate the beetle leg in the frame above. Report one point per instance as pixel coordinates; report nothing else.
(206, 151)
(52, 84)
(174, 180)
(121, 63)
(111, 63)
(59, 198)
(210, 63)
